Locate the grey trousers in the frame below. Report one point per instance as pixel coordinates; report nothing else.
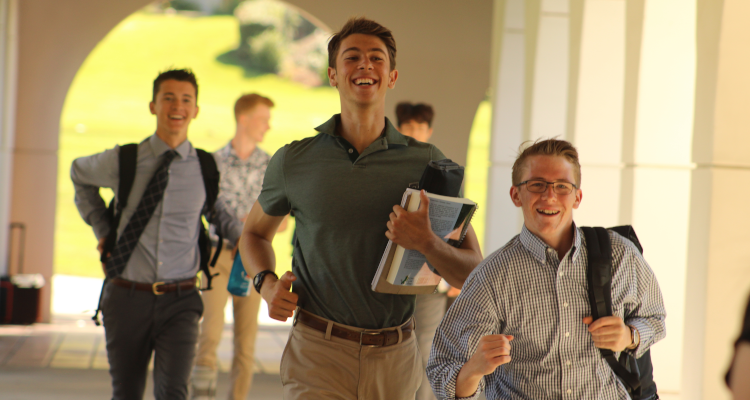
(138, 323)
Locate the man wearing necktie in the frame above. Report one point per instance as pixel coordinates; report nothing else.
(150, 303)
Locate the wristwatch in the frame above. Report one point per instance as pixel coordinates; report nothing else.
(258, 280)
(635, 338)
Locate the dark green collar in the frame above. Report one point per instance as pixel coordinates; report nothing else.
(392, 135)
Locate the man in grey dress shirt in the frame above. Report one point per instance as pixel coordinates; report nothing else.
(532, 294)
(153, 305)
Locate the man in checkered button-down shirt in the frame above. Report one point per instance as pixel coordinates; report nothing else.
(522, 326)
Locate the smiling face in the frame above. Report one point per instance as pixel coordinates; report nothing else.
(548, 215)
(362, 73)
(175, 107)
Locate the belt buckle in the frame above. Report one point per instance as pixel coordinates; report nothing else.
(156, 291)
(363, 333)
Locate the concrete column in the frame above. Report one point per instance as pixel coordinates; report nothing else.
(508, 94)
(8, 65)
(549, 104)
(598, 111)
(658, 164)
(718, 277)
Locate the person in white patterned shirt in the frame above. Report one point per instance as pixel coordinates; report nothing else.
(242, 165)
(532, 293)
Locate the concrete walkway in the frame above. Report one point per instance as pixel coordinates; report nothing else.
(66, 359)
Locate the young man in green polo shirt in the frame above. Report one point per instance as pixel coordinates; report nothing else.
(342, 184)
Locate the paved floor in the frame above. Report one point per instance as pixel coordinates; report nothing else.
(66, 359)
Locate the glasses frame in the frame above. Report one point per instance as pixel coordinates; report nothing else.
(575, 187)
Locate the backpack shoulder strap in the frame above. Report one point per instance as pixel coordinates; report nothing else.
(128, 162)
(599, 274)
(210, 173)
(599, 271)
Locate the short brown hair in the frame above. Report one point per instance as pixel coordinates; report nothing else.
(247, 102)
(419, 113)
(182, 75)
(548, 147)
(366, 27)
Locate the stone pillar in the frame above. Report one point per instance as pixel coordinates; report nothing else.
(718, 274)
(658, 163)
(8, 65)
(503, 220)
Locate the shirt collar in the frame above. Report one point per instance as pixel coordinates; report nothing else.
(536, 246)
(159, 147)
(392, 136)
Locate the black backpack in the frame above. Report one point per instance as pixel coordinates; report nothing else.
(128, 158)
(637, 375)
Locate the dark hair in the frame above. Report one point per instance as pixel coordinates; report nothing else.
(420, 113)
(248, 101)
(366, 27)
(184, 75)
(549, 147)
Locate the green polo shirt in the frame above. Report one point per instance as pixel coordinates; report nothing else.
(341, 202)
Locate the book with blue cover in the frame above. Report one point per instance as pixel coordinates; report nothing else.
(403, 271)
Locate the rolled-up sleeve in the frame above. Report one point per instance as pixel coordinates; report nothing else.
(470, 318)
(227, 225)
(650, 314)
(88, 175)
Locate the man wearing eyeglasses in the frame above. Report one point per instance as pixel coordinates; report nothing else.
(532, 294)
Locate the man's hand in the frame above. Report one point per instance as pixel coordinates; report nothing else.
(100, 248)
(412, 230)
(609, 333)
(276, 292)
(492, 352)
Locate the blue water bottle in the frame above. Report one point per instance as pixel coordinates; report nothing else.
(239, 283)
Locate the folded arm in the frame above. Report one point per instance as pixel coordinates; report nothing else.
(412, 230)
(256, 250)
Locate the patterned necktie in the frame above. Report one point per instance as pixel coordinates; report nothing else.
(132, 232)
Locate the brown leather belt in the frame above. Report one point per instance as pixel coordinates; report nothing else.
(364, 338)
(156, 288)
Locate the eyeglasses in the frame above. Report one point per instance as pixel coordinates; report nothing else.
(540, 186)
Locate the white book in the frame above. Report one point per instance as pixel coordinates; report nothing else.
(403, 271)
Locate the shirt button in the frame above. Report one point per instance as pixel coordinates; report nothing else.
(561, 273)
(567, 363)
(565, 304)
(567, 334)
(570, 391)
(351, 151)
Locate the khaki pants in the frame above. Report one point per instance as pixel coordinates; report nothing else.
(316, 368)
(245, 328)
(428, 314)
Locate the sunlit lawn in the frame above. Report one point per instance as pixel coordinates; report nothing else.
(108, 104)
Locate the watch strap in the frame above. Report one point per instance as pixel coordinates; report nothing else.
(258, 279)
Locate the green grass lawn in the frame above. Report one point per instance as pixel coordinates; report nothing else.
(108, 104)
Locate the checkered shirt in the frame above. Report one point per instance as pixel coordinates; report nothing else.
(524, 290)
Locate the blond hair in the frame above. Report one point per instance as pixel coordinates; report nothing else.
(548, 147)
(247, 102)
